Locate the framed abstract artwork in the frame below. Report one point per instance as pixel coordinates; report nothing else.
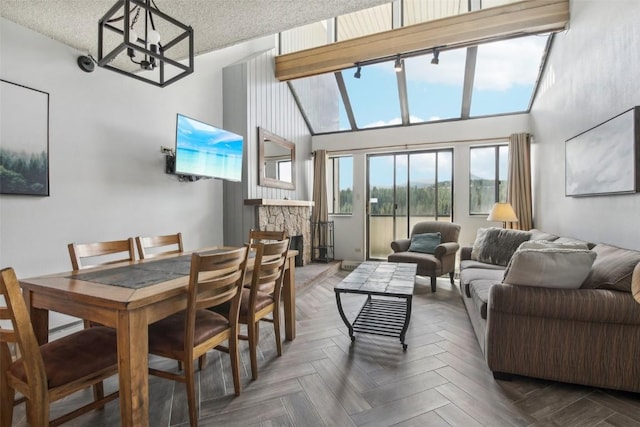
(24, 140)
(606, 158)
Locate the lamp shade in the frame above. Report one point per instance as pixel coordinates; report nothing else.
(502, 212)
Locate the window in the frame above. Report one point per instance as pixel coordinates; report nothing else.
(340, 184)
(284, 170)
(488, 167)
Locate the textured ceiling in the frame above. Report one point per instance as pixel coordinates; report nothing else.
(216, 23)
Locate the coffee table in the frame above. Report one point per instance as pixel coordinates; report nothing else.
(388, 314)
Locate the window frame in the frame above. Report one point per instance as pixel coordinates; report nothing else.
(496, 176)
(334, 181)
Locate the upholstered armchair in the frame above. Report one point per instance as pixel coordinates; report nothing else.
(434, 261)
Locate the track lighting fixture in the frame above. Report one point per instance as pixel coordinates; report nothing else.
(398, 64)
(435, 59)
(357, 73)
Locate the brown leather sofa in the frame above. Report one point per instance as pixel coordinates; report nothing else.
(441, 262)
(588, 336)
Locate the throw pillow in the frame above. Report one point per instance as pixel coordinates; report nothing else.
(542, 235)
(549, 267)
(613, 268)
(545, 244)
(496, 245)
(425, 242)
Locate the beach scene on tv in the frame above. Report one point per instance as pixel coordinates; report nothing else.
(205, 150)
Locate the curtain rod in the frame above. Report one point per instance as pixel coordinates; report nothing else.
(410, 147)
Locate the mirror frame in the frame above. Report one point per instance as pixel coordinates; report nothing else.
(263, 136)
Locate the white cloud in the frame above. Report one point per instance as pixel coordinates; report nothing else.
(500, 65)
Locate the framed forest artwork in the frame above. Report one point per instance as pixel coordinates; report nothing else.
(24, 140)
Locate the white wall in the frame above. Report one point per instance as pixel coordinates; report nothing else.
(459, 135)
(591, 76)
(106, 170)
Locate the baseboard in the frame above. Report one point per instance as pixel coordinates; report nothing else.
(349, 265)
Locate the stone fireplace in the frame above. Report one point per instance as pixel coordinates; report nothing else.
(293, 216)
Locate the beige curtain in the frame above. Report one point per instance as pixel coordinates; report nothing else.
(320, 211)
(519, 188)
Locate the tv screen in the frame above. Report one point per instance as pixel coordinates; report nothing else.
(205, 150)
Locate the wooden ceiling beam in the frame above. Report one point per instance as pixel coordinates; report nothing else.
(521, 18)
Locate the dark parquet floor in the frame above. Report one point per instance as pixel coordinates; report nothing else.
(322, 379)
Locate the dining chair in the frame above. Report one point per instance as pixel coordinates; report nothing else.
(44, 374)
(111, 252)
(144, 243)
(80, 251)
(185, 336)
(256, 236)
(263, 296)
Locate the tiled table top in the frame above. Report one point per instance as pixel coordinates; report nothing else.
(380, 278)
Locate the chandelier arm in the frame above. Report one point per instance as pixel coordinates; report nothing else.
(120, 18)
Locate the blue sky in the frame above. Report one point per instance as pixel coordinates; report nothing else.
(505, 77)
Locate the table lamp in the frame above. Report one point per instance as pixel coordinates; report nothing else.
(502, 212)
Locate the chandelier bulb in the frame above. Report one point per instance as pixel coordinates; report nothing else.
(133, 36)
(153, 37)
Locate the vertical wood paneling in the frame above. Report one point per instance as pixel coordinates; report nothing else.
(268, 103)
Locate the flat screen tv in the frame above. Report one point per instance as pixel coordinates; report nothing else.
(206, 151)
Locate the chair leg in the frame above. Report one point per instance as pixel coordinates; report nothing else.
(433, 284)
(234, 356)
(7, 395)
(276, 329)
(38, 412)
(98, 391)
(202, 361)
(451, 276)
(252, 331)
(190, 381)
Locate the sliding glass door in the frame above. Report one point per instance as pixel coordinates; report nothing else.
(405, 188)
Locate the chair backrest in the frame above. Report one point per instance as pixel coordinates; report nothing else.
(153, 242)
(268, 268)
(15, 310)
(256, 236)
(449, 231)
(213, 280)
(78, 251)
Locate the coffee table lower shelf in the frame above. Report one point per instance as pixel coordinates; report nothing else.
(380, 316)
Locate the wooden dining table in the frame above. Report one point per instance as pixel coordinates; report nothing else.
(98, 295)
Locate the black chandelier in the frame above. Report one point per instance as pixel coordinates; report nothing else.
(148, 37)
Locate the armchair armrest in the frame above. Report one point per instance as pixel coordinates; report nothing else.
(586, 305)
(465, 253)
(446, 248)
(400, 245)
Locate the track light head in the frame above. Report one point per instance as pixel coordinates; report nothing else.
(398, 64)
(357, 73)
(435, 60)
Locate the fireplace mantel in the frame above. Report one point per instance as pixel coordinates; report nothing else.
(278, 202)
(292, 216)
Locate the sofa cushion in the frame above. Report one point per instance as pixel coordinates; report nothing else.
(547, 266)
(612, 268)
(541, 235)
(425, 242)
(572, 240)
(469, 263)
(496, 245)
(479, 290)
(471, 275)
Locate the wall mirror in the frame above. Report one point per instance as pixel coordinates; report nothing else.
(277, 160)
